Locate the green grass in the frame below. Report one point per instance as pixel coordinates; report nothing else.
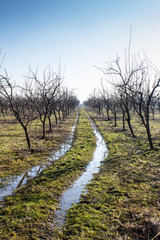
(122, 199)
(29, 213)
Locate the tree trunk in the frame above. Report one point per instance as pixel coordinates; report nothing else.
(63, 114)
(130, 127)
(129, 124)
(50, 124)
(44, 130)
(27, 137)
(54, 112)
(59, 115)
(67, 111)
(108, 114)
(149, 135)
(124, 121)
(115, 119)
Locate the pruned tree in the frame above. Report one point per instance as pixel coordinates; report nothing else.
(143, 92)
(68, 101)
(106, 99)
(19, 102)
(106, 104)
(4, 107)
(114, 106)
(120, 75)
(95, 102)
(44, 90)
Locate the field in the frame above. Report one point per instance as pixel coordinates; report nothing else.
(122, 201)
(14, 155)
(123, 198)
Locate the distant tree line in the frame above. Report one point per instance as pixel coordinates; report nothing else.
(39, 97)
(132, 87)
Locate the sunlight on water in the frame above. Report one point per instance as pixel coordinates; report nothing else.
(12, 183)
(72, 195)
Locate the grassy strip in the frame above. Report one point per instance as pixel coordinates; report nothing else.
(29, 213)
(123, 198)
(14, 155)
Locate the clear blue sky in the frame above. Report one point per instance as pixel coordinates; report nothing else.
(78, 33)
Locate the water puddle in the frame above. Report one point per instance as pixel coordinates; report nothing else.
(72, 195)
(17, 181)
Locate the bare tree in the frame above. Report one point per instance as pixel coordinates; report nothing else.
(114, 106)
(95, 102)
(4, 106)
(106, 100)
(143, 92)
(20, 105)
(68, 101)
(44, 91)
(120, 103)
(106, 104)
(120, 74)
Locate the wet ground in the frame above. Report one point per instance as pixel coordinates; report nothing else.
(11, 183)
(72, 195)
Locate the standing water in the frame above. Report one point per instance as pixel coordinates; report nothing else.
(72, 195)
(16, 181)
